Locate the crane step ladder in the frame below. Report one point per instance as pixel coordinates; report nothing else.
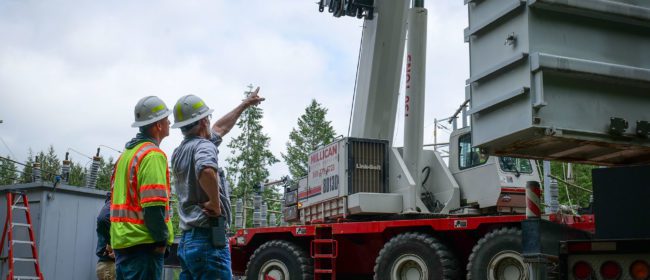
(18, 201)
(324, 250)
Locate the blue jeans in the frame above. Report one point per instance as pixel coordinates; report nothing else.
(200, 260)
(139, 265)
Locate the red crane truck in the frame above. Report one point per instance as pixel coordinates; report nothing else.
(370, 210)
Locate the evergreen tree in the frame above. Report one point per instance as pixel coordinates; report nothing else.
(77, 175)
(247, 166)
(105, 173)
(26, 175)
(8, 172)
(50, 164)
(313, 131)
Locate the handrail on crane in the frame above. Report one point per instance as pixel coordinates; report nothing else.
(460, 109)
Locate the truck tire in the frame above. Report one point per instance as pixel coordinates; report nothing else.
(279, 260)
(498, 256)
(415, 256)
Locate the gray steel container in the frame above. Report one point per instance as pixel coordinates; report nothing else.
(561, 79)
(64, 221)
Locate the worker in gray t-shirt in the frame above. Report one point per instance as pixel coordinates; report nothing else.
(201, 187)
(197, 154)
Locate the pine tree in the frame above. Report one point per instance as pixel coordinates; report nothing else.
(8, 172)
(50, 164)
(105, 173)
(247, 167)
(313, 131)
(26, 175)
(77, 175)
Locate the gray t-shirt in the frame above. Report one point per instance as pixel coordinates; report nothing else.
(193, 155)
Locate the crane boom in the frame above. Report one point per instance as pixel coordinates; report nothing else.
(379, 77)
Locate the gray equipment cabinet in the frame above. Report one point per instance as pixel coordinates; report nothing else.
(64, 221)
(561, 79)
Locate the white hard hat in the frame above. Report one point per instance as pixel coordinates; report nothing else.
(149, 110)
(188, 109)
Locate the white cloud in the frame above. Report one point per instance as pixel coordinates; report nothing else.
(71, 71)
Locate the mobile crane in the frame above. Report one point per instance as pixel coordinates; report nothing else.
(369, 210)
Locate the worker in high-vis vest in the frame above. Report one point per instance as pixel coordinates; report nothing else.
(141, 228)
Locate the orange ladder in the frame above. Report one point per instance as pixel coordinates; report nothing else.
(324, 250)
(18, 201)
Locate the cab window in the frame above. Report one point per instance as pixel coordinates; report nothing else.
(469, 156)
(517, 165)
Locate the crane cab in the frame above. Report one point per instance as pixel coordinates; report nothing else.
(489, 183)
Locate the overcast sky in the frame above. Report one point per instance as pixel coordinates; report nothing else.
(72, 71)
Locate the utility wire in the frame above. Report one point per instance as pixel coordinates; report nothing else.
(14, 170)
(19, 180)
(20, 163)
(111, 148)
(71, 149)
(26, 165)
(7, 146)
(570, 184)
(566, 187)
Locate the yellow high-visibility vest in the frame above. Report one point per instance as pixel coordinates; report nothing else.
(140, 179)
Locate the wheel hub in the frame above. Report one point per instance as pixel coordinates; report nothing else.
(273, 270)
(409, 267)
(507, 265)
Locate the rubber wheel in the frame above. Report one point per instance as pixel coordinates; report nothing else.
(279, 260)
(415, 256)
(498, 256)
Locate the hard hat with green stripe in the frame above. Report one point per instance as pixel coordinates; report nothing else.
(149, 110)
(188, 109)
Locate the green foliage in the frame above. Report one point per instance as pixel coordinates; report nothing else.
(313, 131)
(105, 173)
(250, 158)
(173, 205)
(8, 172)
(77, 176)
(50, 164)
(51, 167)
(569, 195)
(26, 176)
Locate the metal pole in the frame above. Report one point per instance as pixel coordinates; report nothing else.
(464, 116)
(547, 187)
(536, 260)
(538, 270)
(435, 133)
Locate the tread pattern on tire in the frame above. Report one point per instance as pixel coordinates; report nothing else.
(297, 252)
(447, 259)
(482, 241)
